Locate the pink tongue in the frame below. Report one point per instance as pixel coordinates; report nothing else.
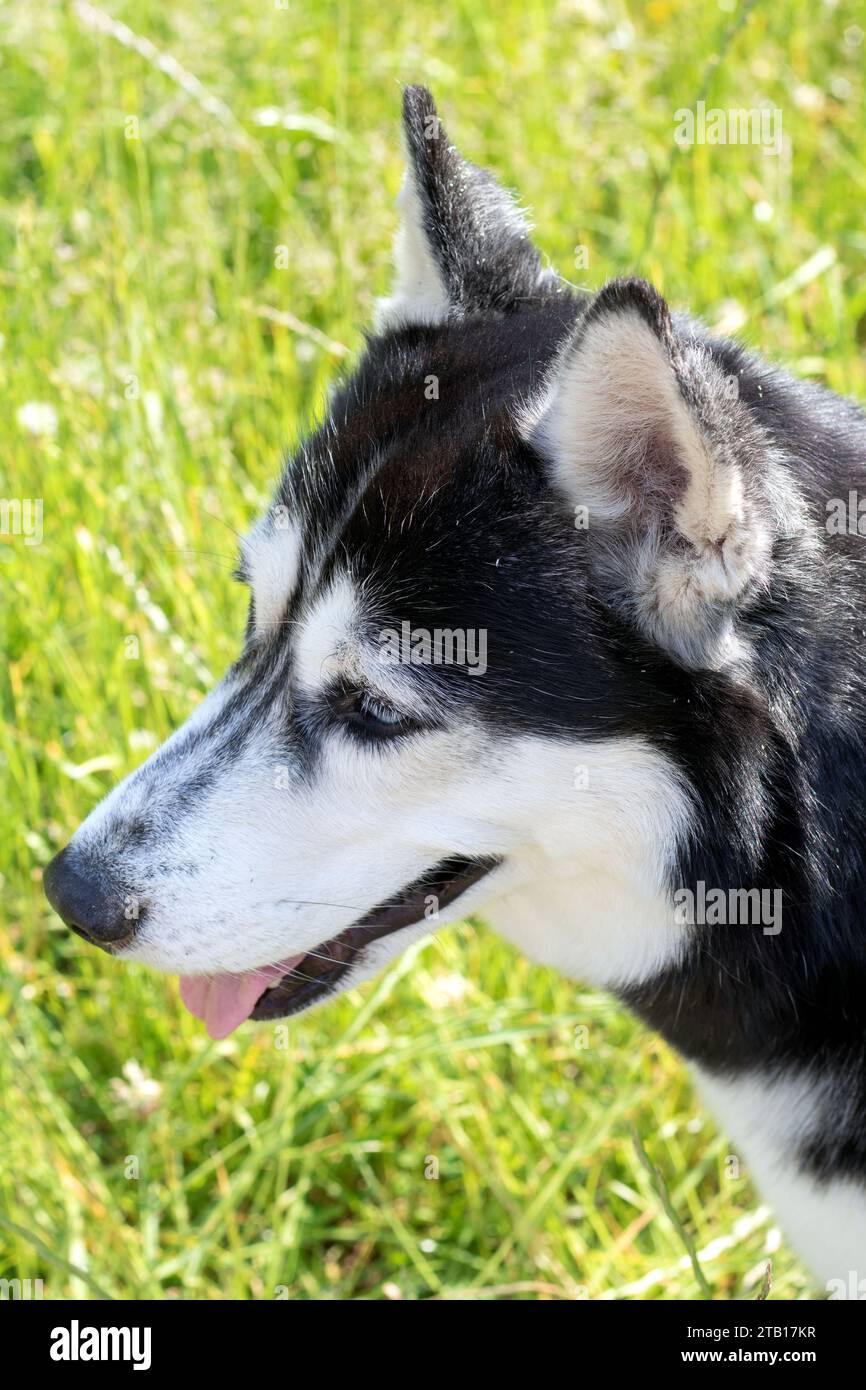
(223, 1002)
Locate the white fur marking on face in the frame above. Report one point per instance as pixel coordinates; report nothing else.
(269, 863)
(271, 555)
(327, 637)
(770, 1117)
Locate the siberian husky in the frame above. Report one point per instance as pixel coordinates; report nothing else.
(557, 617)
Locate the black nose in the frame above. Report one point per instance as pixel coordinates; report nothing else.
(89, 902)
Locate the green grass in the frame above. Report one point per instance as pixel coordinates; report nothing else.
(136, 280)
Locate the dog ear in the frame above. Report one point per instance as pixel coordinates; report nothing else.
(667, 470)
(462, 246)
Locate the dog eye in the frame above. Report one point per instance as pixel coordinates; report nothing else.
(367, 714)
(377, 712)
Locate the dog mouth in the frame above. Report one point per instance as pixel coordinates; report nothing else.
(287, 987)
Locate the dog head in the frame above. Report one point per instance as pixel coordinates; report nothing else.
(526, 514)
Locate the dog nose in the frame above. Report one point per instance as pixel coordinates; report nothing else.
(88, 902)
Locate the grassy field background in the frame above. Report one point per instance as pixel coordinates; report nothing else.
(155, 360)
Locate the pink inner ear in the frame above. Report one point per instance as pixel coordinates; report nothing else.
(614, 422)
(641, 431)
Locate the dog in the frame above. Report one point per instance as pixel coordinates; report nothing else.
(551, 618)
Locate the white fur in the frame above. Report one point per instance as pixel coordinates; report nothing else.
(271, 554)
(600, 913)
(246, 874)
(258, 861)
(329, 644)
(418, 295)
(325, 642)
(583, 891)
(769, 1117)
